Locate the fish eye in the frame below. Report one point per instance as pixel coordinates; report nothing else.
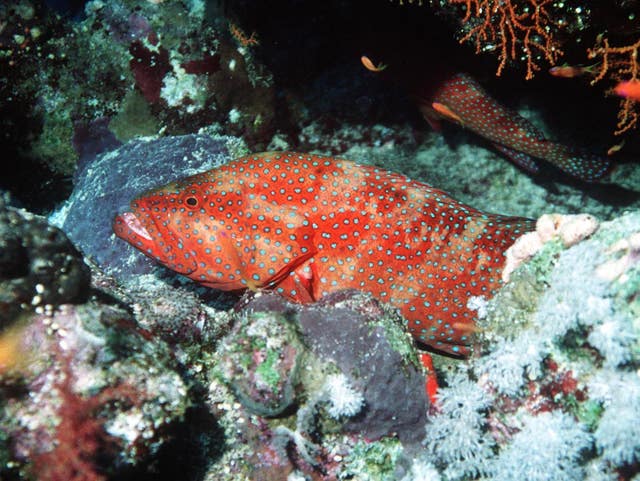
(191, 201)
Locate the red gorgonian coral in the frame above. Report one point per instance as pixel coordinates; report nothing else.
(515, 27)
(620, 64)
(81, 443)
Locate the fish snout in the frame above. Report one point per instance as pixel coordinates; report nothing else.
(127, 226)
(167, 249)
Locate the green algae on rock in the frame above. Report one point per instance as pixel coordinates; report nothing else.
(260, 359)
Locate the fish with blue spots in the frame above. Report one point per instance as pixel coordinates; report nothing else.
(305, 225)
(462, 100)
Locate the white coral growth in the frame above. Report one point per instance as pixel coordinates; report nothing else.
(615, 339)
(457, 437)
(618, 432)
(511, 364)
(422, 470)
(479, 304)
(628, 251)
(548, 448)
(343, 399)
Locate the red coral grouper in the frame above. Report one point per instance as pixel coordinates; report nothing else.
(305, 225)
(462, 100)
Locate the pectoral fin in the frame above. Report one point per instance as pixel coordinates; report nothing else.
(447, 113)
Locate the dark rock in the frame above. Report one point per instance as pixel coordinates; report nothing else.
(367, 341)
(90, 139)
(38, 264)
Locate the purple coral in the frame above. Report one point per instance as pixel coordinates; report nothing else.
(149, 68)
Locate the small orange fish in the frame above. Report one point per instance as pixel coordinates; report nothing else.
(629, 89)
(305, 225)
(571, 71)
(368, 64)
(614, 149)
(445, 111)
(14, 355)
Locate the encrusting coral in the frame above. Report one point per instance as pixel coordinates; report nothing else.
(570, 229)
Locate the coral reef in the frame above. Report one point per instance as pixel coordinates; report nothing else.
(569, 229)
(386, 375)
(552, 391)
(261, 358)
(542, 390)
(96, 397)
(141, 376)
(342, 398)
(86, 392)
(343, 366)
(68, 75)
(186, 320)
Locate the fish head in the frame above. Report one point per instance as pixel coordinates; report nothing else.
(155, 225)
(212, 228)
(176, 225)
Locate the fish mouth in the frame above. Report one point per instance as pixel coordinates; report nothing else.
(130, 228)
(131, 221)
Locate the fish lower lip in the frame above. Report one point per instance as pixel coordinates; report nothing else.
(133, 223)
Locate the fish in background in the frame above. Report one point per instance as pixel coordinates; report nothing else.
(629, 89)
(460, 99)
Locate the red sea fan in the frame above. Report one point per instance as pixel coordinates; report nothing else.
(81, 443)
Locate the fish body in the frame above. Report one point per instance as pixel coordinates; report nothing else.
(304, 225)
(462, 100)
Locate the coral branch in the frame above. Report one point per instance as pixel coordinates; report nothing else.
(619, 64)
(241, 37)
(512, 25)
